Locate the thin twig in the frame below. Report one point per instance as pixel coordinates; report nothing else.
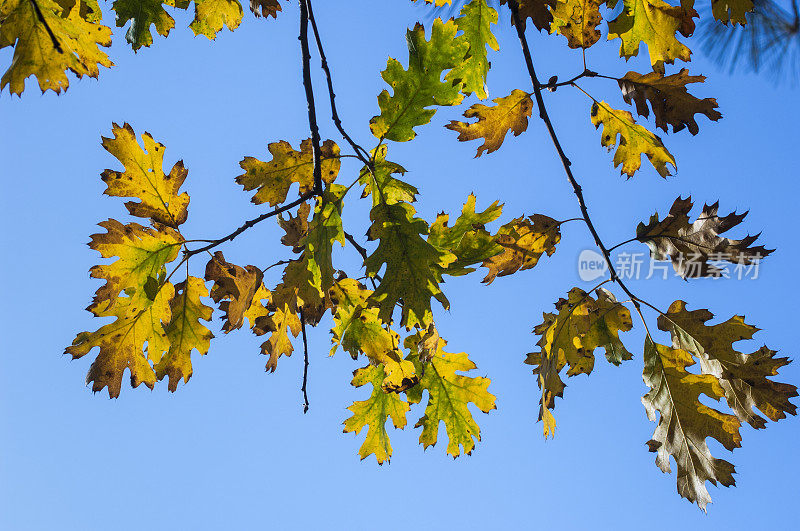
(537, 89)
(305, 358)
(40, 16)
(309, 89)
(360, 152)
(585, 73)
(305, 197)
(364, 254)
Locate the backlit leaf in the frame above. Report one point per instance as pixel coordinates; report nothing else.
(145, 13)
(212, 15)
(693, 247)
(273, 178)
(684, 422)
(449, 396)
(475, 24)
(569, 338)
(374, 412)
(743, 377)
(510, 113)
(634, 141)
(419, 87)
(185, 332)
(577, 20)
(144, 178)
(73, 26)
(671, 102)
(524, 241)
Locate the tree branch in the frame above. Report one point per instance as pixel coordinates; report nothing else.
(305, 359)
(537, 88)
(303, 198)
(360, 152)
(309, 89)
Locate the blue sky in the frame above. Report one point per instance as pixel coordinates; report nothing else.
(232, 448)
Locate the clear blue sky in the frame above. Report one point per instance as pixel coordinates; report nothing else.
(232, 448)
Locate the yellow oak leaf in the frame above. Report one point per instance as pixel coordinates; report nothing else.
(577, 20)
(273, 179)
(144, 178)
(358, 328)
(212, 15)
(132, 341)
(325, 229)
(185, 332)
(523, 241)
(655, 23)
(475, 24)
(35, 53)
(570, 336)
(295, 227)
(634, 141)
(373, 414)
(142, 254)
(684, 422)
(510, 113)
(449, 396)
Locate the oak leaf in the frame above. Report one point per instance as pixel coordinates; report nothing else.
(524, 241)
(510, 113)
(671, 102)
(413, 266)
(273, 178)
(475, 23)
(131, 342)
(569, 338)
(539, 11)
(467, 239)
(145, 13)
(634, 141)
(185, 332)
(577, 20)
(684, 422)
(325, 229)
(743, 377)
(693, 247)
(378, 180)
(449, 396)
(141, 252)
(732, 11)
(359, 329)
(373, 414)
(419, 87)
(212, 15)
(74, 27)
(234, 289)
(655, 23)
(144, 178)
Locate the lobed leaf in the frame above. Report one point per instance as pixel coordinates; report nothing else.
(144, 178)
(76, 28)
(510, 113)
(449, 396)
(634, 141)
(693, 247)
(523, 241)
(684, 422)
(373, 414)
(273, 179)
